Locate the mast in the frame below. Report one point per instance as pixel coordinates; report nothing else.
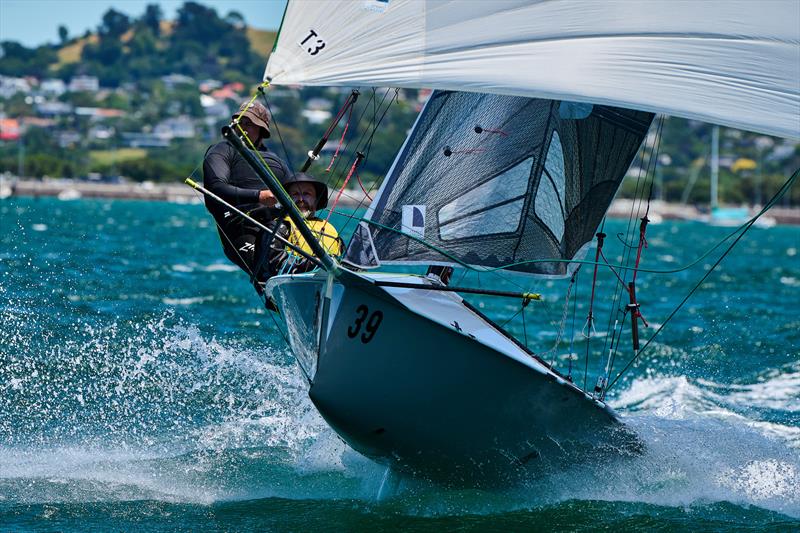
(714, 168)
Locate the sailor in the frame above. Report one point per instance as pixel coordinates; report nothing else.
(309, 195)
(229, 176)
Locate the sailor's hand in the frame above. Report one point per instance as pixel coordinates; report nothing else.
(266, 198)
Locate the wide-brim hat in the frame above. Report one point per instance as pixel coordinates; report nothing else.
(257, 114)
(321, 187)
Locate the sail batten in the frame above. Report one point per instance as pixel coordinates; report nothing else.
(734, 63)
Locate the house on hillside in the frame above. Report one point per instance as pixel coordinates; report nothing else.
(10, 86)
(99, 113)
(181, 127)
(206, 86)
(69, 139)
(84, 83)
(52, 109)
(9, 129)
(173, 80)
(316, 116)
(319, 104)
(36, 122)
(101, 133)
(53, 87)
(213, 107)
(317, 110)
(143, 140)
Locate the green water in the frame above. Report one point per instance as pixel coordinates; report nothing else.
(142, 387)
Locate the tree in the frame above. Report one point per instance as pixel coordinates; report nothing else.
(114, 24)
(152, 18)
(17, 60)
(63, 34)
(235, 19)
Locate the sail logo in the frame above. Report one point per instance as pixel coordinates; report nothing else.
(376, 6)
(413, 222)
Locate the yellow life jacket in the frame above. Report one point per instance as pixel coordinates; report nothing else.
(324, 232)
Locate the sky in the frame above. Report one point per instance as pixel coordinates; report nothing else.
(35, 22)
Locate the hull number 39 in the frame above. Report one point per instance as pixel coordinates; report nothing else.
(370, 325)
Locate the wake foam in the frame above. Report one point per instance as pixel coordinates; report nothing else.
(159, 410)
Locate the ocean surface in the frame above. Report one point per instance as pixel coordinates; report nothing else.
(142, 387)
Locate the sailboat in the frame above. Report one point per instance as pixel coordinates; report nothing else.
(538, 110)
(726, 216)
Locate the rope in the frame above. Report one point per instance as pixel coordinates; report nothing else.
(621, 281)
(360, 201)
(337, 177)
(366, 194)
(524, 326)
(359, 158)
(560, 260)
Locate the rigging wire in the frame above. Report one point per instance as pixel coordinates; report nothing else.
(347, 143)
(286, 154)
(335, 173)
(572, 328)
(360, 147)
(629, 232)
(507, 266)
(365, 147)
(562, 324)
(785, 187)
(628, 252)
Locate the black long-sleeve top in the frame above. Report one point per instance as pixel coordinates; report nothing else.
(229, 176)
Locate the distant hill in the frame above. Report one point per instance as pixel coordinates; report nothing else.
(261, 42)
(199, 43)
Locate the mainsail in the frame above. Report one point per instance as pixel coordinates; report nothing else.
(500, 181)
(728, 62)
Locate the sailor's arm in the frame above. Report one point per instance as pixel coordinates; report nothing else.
(216, 178)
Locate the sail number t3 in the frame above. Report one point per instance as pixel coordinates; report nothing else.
(313, 47)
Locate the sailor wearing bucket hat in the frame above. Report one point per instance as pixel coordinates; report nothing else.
(309, 195)
(228, 175)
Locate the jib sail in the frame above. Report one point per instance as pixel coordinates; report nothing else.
(500, 181)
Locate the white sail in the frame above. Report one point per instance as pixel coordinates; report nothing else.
(728, 62)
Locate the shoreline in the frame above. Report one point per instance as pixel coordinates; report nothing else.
(65, 189)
